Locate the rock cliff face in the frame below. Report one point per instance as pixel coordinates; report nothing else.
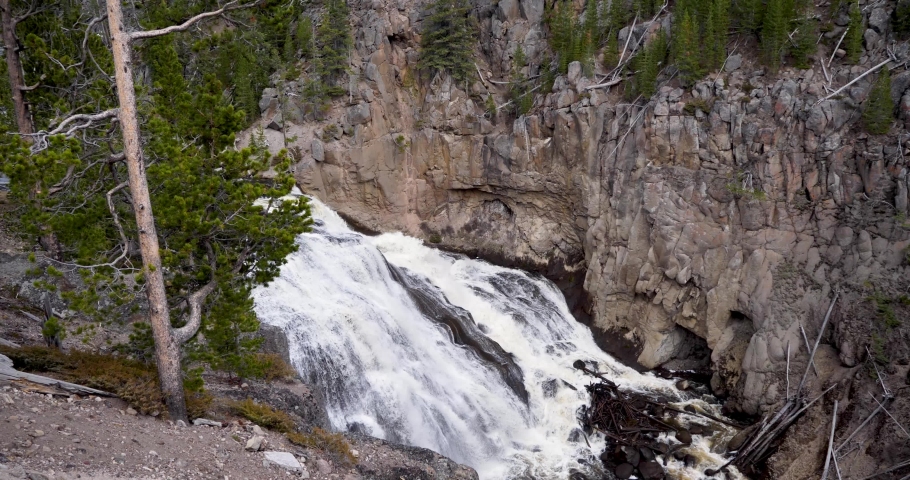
(724, 216)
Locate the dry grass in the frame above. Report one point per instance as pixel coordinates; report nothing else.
(263, 415)
(333, 444)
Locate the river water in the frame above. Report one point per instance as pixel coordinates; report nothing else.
(437, 350)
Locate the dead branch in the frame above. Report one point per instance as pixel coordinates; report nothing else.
(806, 341)
(189, 23)
(851, 82)
(81, 117)
(833, 52)
(818, 340)
(877, 373)
(788, 369)
(830, 442)
(123, 240)
(892, 416)
(626, 46)
(860, 427)
(605, 84)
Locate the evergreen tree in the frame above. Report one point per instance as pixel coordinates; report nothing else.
(334, 46)
(646, 69)
(879, 111)
(749, 14)
(686, 51)
(520, 88)
(804, 43)
(854, 40)
(719, 20)
(448, 39)
(619, 15)
(773, 33)
(305, 37)
(611, 51)
(562, 23)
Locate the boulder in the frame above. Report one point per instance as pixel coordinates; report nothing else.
(651, 470)
(269, 95)
(254, 443)
(283, 460)
(624, 470)
(359, 114)
(733, 63)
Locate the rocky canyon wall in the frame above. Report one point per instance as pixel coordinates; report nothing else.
(723, 216)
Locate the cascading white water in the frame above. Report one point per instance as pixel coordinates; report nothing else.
(355, 309)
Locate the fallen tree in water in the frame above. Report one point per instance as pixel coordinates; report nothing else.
(632, 422)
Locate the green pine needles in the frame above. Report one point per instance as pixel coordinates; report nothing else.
(854, 40)
(520, 90)
(647, 65)
(334, 36)
(878, 113)
(700, 37)
(447, 41)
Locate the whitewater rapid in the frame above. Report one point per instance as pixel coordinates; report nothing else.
(355, 310)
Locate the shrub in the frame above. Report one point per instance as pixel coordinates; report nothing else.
(263, 415)
(329, 132)
(53, 332)
(885, 310)
(435, 238)
(695, 105)
(332, 443)
(272, 367)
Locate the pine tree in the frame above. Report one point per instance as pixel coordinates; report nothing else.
(448, 38)
(686, 51)
(561, 23)
(334, 46)
(749, 14)
(619, 15)
(304, 38)
(854, 40)
(647, 66)
(773, 34)
(804, 43)
(720, 26)
(879, 111)
(520, 89)
(611, 51)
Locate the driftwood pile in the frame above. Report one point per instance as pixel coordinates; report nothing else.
(633, 423)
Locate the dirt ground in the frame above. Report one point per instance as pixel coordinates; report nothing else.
(93, 437)
(62, 438)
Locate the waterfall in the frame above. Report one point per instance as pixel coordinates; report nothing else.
(437, 350)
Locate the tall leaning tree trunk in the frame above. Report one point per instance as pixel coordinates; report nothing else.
(14, 66)
(167, 348)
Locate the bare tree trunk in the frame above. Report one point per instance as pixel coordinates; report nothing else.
(167, 349)
(14, 66)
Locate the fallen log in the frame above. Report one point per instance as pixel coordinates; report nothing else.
(10, 375)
